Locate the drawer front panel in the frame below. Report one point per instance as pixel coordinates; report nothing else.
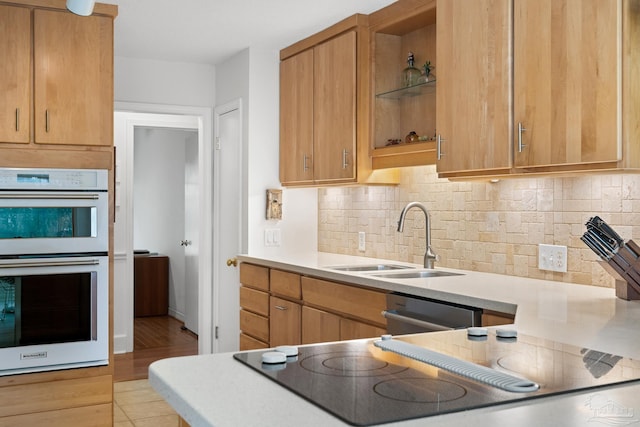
(285, 284)
(254, 301)
(254, 325)
(250, 343)
(361, 303)
(254, 276)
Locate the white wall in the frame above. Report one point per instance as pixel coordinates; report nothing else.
(253, 75)
(162, 82)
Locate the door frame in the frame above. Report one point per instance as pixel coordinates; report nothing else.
(204, 117)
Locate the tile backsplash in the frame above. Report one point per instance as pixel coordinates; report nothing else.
(482, 226)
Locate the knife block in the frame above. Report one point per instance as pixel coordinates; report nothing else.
(625, 269)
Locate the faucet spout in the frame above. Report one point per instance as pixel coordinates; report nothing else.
(429, 257)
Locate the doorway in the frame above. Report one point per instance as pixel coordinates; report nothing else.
(165, 214)
(135, 118)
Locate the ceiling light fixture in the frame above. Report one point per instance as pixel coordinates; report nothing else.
(81, 7)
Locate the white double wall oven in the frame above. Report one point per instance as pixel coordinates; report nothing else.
(54, 269)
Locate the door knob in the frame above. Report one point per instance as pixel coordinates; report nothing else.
(232, 261)
(185, 242)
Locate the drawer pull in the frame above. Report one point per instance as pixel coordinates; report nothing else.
(280, 307)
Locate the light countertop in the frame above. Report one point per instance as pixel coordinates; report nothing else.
(215, 390)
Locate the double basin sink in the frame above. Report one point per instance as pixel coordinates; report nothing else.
(393, 271)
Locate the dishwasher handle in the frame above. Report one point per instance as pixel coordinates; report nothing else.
(421, 323)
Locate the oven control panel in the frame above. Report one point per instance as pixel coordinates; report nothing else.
(53, 179)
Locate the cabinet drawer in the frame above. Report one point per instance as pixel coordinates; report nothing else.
(250, 343)
(361, 303)
(55, 395)
(254, 276)
(285, 284)
(254, 325)
(254, 301)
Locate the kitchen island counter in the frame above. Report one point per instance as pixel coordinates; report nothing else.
(216, 390)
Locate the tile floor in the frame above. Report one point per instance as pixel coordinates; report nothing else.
(138, 405)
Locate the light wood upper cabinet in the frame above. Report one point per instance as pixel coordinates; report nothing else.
(73, 59)
(474, 86)
(318, 113)
(566, 82)
(324, 109)
(573, 93)
(296, 119)
(334, 118)
(15, 73)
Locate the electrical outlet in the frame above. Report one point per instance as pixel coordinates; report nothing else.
(361, 241)
(552, 258)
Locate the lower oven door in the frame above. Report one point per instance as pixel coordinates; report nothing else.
(408, 314)
(54, 313)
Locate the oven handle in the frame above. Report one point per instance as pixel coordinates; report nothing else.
(41, 263)
(49, 196)
(427, 325)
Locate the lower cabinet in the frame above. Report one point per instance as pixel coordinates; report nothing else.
(285, 308)
(284, 322)
(254, 307)
(322, 326)
(494, 318)
(87, 401)
(319, 326)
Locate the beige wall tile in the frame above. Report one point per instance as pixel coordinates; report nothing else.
(483, 226)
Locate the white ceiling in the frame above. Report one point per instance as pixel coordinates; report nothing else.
(211, 31)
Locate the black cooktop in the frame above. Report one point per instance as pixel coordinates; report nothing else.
(364, 385)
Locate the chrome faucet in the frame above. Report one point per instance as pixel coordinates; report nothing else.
(429, 257)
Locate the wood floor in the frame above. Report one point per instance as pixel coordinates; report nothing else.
(155, 338)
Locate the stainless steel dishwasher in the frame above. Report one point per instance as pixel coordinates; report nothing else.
(409, 314)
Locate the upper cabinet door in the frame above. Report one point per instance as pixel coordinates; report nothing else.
(73, 58)
(15, 73)
(473, 71)
(334, 140)
(296, 119)
(566, 82)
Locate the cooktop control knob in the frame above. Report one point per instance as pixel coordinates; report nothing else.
(477, 332)
(386, 337)
(288, 350)
(272, 357)
(506, 333)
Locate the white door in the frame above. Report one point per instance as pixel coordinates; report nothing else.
(191, 240)
(226, 298)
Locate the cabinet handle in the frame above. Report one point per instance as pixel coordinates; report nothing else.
(305, 165)
(345, 162)
(439, 141)
(521, 129)
(46, 120)
(280, 307)
(17, 120)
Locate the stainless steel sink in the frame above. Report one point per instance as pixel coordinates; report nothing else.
(417, 274)
(369, 267)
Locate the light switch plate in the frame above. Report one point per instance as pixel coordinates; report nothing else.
(361, 241)
(552, 258)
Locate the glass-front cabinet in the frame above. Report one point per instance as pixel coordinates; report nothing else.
(404, 80)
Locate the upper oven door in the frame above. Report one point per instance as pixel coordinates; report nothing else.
(53, 222)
